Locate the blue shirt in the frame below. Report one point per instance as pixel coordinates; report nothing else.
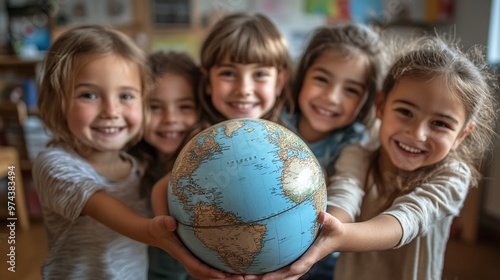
(328, 149)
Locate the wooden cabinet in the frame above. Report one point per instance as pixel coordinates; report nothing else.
(18, 66)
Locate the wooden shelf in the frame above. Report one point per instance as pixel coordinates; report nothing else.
(20, 66)
(13, 60)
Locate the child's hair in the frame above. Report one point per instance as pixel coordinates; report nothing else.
(350, 40)
(245, 38)
(60, 67)
(467, 77)
(162, 62)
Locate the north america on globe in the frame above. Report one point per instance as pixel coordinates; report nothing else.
(246, 194)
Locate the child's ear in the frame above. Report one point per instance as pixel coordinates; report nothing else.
(379, 104)
(461, 136)
(281, 81)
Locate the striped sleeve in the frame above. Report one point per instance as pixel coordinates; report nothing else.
(64, 182)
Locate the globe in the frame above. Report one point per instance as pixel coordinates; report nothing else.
(246, 194)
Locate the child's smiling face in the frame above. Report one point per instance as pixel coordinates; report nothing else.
(173, 113)
(333, 92)
(240, 90)
(106, 111)
(421, 122)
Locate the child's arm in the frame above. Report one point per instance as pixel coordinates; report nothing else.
(159, 232)
(159, 193)
(409, 217)
(345, 189)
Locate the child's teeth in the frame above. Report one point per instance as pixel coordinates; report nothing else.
(108, 130)
(324, 112)
(409, 149)
(243, 105)
(171, 134)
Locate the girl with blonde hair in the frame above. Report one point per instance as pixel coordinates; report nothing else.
(92, 100)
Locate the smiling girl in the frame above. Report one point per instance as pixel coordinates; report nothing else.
(92, 100)
(334, 87)
(246, 65)
(437, 111)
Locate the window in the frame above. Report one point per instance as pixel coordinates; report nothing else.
(494, 33)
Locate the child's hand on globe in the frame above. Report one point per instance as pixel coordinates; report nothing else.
(162, 228)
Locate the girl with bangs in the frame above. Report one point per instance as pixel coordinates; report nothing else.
(246, 65)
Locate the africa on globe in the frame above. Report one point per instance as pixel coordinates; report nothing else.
(246, 194)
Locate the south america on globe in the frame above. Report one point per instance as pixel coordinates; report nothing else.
(246, 194)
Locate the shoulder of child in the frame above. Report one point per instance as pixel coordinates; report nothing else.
(356, 151)
(59, 156)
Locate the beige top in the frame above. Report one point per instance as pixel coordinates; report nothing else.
(425, 216)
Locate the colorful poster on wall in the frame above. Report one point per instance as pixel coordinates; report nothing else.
(318, 7)
(335, 11)
(365, 11)
(438, 11)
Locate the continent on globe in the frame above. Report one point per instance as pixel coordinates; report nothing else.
(246, 194)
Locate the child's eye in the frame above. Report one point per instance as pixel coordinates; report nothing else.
(404, 112)
(127, 96)
(353, 91)
(154, 107)
(261, 74)
(187, 107)
(441, 124)
(320, 79)
(226, 73)
(87, 95)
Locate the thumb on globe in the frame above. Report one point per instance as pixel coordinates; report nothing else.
(170, 223)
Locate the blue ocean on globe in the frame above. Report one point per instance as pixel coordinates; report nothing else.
(246, 194)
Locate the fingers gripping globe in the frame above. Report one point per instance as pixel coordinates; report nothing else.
(246, 194)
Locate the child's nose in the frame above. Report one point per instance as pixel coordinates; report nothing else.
(419, 131)
(110, 109)
(170, 116)
(244, 86)
(334, 94)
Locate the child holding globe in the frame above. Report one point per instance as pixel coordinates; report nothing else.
(437, 112)
(173, 112)
(334, 87)
(91, 99)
